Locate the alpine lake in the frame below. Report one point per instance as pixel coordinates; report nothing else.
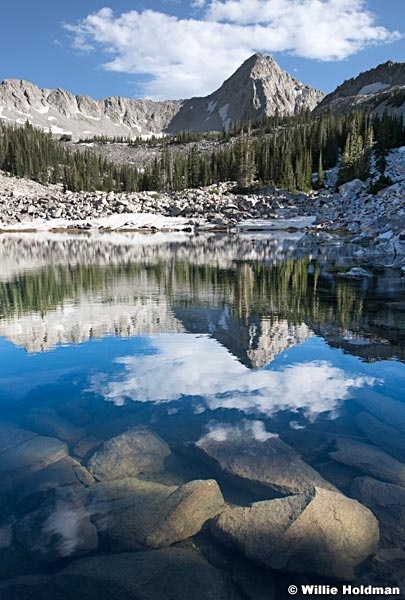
(149, 383)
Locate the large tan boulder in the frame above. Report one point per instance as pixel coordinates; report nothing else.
(135, 514)
(319, 532)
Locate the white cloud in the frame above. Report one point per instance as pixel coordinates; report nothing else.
(198, 366)
(187, 57)
(220, 432)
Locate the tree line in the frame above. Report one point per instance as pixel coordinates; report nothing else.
(278, 150)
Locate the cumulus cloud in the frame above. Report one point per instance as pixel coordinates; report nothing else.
(184, 57)
(198, 366)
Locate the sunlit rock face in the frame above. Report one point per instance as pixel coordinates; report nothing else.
(258, 88)
(318, 531)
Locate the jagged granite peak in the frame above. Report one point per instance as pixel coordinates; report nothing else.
(380, 88)
(259, 87)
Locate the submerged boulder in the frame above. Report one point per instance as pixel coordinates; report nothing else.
(267, 466)
(319, 532)
(135, 514)
(60, 528)
(369, 459)
(29, 456)
(383, 407)
(387, 501)
(11, 436)
(46, 421)
(386, 437)
(136, 451)
(67, 472)
(170, 574)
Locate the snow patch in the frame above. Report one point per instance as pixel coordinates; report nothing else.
(211, 106)
(373, 88)
(223, 113)
(43, 110)
(58, 130)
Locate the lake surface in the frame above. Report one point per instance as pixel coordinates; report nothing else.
(188, 336)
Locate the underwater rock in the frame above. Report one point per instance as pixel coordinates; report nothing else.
(386, 437)
(134, 514)
(46, 421)
(29, 456)
(170, 573)
(269, 466)
(369, 459)
(11, 436)
(136, 451)
(64, 473)
(387, 501)
(59, 528)
(31, 587)
(383, 407)
(318, 532)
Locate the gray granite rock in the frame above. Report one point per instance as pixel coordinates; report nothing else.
(46, 421)
(369, 459)
(67, 472)
(267, 467)
(169, 573)
(29, 456)
(11, 436)
(387, 501)
(318, 532)
(382, 435)
(32, 587)
(136, 451)
(383, 407)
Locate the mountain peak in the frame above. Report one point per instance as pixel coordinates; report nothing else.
(374, 86)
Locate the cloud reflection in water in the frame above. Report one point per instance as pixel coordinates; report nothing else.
(197, 365)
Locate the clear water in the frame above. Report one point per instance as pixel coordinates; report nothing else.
(189, 335)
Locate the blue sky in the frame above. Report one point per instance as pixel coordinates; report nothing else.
(182, 48)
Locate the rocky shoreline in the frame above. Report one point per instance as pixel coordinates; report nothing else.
(376, 223)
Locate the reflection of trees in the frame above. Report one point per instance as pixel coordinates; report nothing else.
(294, 290)
(42, 290)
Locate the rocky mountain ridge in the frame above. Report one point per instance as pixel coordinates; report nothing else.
(259, 87)
(378, 89)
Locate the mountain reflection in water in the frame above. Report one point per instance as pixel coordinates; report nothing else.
(208, 340)
(248, 295)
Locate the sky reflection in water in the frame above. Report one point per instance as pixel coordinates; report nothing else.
(220, 322)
